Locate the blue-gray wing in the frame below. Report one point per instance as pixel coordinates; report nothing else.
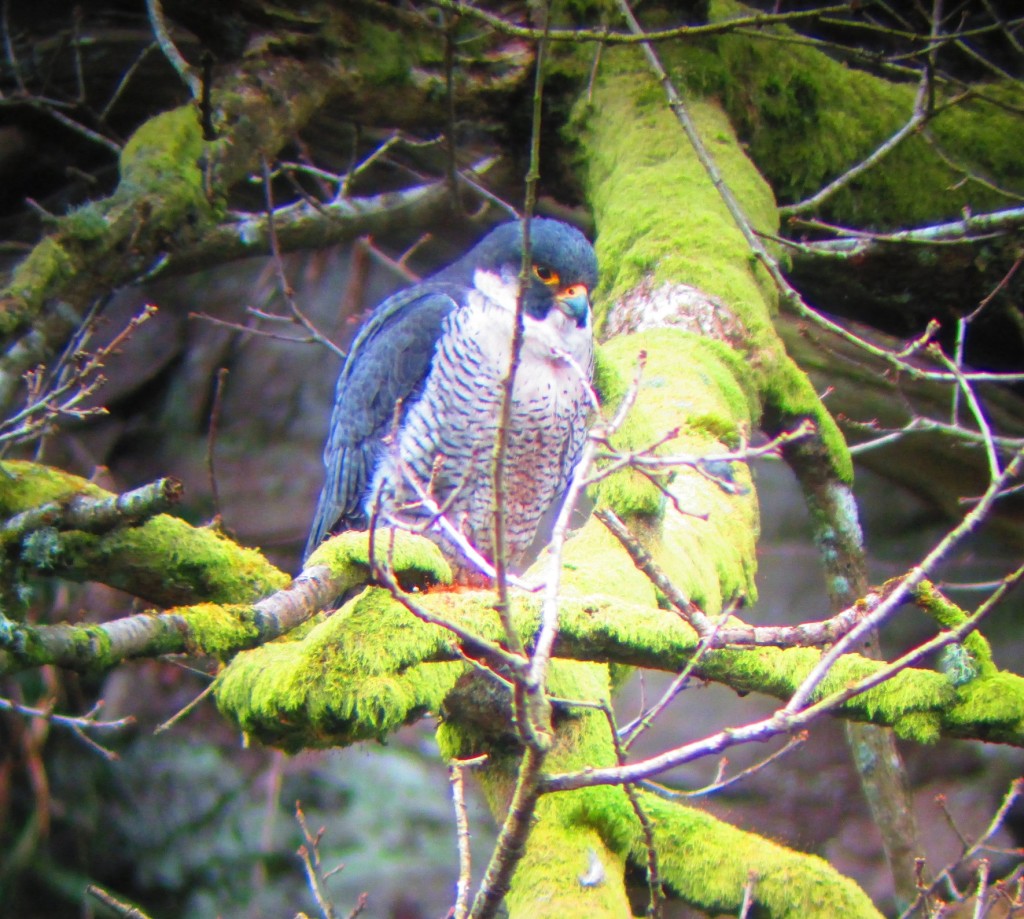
(387, 364)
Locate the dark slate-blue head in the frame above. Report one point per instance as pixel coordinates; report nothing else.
(564, 266)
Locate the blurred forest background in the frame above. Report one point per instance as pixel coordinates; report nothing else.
(226, 388)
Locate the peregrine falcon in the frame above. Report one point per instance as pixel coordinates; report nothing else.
(418, 400)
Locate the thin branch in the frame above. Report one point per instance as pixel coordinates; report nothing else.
(748, 895)
(78, 725)
(211, 442)
(473, 644)
(511, 844)
(126, 78)
(994, 825)
(106, 643)
(285, 286)
(920, 114)
(654, 884)
(789, 294)
(309, 854)
(9, 49)
(438, 518)
(852, 242)
(96, 515)
(186, 710)
(163, 37)
(122, 909)
(504, 425)
(455, 775)
(722, 782)
(505, 27)
(902, 590)
(548, 632)
(780, 722)
(964, 387)
(64, 390)
(737, 633)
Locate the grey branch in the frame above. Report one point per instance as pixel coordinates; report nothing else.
(97, 515)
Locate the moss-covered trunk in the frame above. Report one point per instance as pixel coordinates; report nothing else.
(683, 302)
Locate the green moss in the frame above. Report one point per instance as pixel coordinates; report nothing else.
(790, 394)
(807, 118)
(662, 221)
(588, 558)
(416, 560)
(994, 701)
(576, 833)
(659, 216)
(161, 190)
(920, 727)
(705, 389)
(628, 492)
(689, 381)
(169, 561)
(778, 672)
(707, 863)
(951, 616)
(41, 272)
(89, 643)
(161, 161)
(164, 150)
(552, 878)
(164, 559)
(41, 549)
(704, 861)
(361, 671)
(219, 630)
(25, 485)
(383, 54)
(87, 223)
(354, 676)
(575, 828)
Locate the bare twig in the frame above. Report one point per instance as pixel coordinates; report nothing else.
(455, 775)
(285, 286)
(654, 884)
(185, 710)
(63, 391)
(717, 635)
(925, 891)
(922, 111)
(885, 609)
(211, 443)
(78, 725)
(748, 895)
(503, 605)
(722, 781)
(125, 910)
(163, 37)
(309, 854)
(126, 78)
(511, 844)
(781, 721)
(505, 27)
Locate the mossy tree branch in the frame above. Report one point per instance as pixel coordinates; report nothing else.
(174, 183)
(679, 289)
(920, 704)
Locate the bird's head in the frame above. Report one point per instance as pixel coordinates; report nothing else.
(563, 272)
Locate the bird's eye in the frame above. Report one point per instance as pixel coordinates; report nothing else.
(547, 275)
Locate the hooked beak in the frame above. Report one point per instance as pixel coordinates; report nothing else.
(574, 302)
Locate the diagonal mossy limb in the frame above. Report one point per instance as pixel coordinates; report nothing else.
(707, 863)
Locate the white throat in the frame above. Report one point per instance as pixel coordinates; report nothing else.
(499, 289)
(555, 339)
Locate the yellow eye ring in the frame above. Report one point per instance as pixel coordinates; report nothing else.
(545, 274)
